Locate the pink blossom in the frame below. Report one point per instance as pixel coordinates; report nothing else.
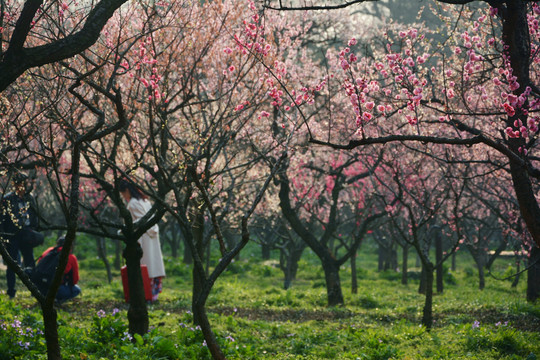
(352, 42)
(411, 119)
(232, 68)
(509, 109)
(370, 105)
(367, 116)
(239, 107)
(514, 85)
(344, 64)
(511, 133)
(227, 50)
(381, 108)
(265, 114)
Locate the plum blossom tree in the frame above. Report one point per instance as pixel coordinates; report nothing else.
(492, 53)
(180, 107)
(35, 138)
(477, 88)
(315, 198)
(427, 197)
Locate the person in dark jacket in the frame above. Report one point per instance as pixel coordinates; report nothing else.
(17, 218)
(68, 288)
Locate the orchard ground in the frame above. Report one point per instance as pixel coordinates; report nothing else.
(255, 318)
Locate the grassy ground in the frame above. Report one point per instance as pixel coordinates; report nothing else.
(254, 318)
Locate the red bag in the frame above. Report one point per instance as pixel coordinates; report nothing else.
(146, 283)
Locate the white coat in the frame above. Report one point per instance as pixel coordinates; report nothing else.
(152, 257)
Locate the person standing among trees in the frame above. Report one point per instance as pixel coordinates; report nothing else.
(138, 205)
(18, 224)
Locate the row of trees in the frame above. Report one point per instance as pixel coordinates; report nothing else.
(210, 108)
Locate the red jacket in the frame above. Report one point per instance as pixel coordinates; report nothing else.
(72, 265)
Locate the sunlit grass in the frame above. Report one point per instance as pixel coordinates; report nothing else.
(255, 318)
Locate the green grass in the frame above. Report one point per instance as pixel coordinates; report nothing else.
(255, 318)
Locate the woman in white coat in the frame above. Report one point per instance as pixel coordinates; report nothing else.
(138, 205)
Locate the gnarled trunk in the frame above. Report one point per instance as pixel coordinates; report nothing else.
(137, 312)
(517, 39)
(333, 283)
(51, 332)
(533, 275)
(405, 265)
(427, 314)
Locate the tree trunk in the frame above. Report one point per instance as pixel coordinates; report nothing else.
(422, 285)
(481, 277)
(516, 37)
(405, 265)
(354, 280)
(199, 296)
(516, 278)
(333, 283)
(50, 326)
(117, 254)
(453, 262)
(188, 258)
(292, 257)
(265, 248)
(438, 260)
(208, 252)
(175, 241)
(533, 275)
(199, 313)
(427, 317)
(381, 257)
(137, 312)
(393, 262)
(480, 263)
(102, 253)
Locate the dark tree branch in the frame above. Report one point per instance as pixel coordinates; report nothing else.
(315, 7)
(19, 59)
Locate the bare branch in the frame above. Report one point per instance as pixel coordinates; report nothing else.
(281, 7)
(18, 59)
